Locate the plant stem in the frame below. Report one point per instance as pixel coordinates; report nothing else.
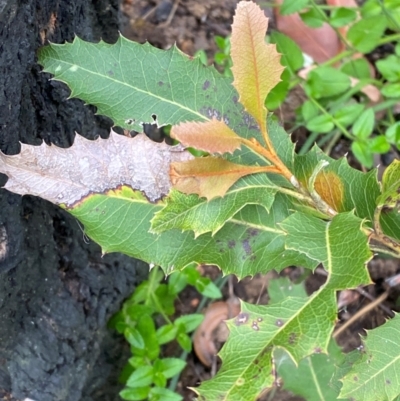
(336, 122)
(273, 158)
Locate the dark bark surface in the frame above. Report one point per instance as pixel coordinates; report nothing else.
(56, 291)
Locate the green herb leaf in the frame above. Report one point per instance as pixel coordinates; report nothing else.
(364, 125)
(362, 152)
(290, 6)
(134, 394)
(326, 81)
(342, 16)
(141, 377)
(322, 124)
(312, 18)
(364, 35)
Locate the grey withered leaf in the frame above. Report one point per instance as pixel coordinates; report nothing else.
(64, 176)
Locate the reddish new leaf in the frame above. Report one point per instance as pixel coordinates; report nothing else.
(212, 136)
(256, 68)
(210, 177)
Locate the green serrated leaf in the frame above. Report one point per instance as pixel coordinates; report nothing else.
(311, 379)
(248, 243)
(339, 184)
(102, 74)
(282, 288)
(190, 212)
(247, 371)
(374, 375)
(390, 186)
(339, 245)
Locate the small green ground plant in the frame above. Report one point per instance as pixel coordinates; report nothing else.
(250, 205)
(147, 324)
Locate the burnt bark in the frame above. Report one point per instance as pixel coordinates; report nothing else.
(56, 290)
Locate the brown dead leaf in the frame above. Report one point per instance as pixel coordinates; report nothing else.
(319, 43)
(213, 329)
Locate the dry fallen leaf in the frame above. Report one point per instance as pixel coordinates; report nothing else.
(319, 43)
(213, 329)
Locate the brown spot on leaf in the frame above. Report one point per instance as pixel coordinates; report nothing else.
(355, 378)
(247, 247)
(206, 85)
(254, 326)
(259, 319)
(279, 323)
(292, 338)
(317, 350)
(242, 318)
(231, 244)
(330, 188)
(387, 381)
(160, 83)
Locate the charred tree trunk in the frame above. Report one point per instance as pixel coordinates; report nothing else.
(56, 291)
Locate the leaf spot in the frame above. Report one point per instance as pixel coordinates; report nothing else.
(74, 68)
(292, 338)
(242, 318)
(355, 378)
(240, 381)
(259, 319)
(317, 350)
(387, 381)
(279, 322)
(160, 83)
(206, 85)
(254, 326)
(130, 121)
(231, 244)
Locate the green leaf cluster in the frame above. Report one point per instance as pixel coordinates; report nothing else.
(147, 373)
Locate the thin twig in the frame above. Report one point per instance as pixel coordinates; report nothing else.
(361, 312)
(171, 14)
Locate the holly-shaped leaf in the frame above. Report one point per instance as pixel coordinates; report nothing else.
(256, 68)
(374, 375)
(312, 378)
(339, 245)
(210, 176)
(212, 136)
(247, 371)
